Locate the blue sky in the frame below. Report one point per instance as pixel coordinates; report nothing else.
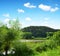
(31, 12)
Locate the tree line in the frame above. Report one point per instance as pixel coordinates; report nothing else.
(38, 31)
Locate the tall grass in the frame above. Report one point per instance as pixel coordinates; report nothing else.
(54, 52)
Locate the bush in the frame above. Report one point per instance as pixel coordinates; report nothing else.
(22, 50)
(56, 37)
(27, 35)
(51, 43)
(42, 47)
(48, 44)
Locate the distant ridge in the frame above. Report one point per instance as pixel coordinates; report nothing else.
(39, 31)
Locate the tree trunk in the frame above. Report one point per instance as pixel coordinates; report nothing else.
(6, 52)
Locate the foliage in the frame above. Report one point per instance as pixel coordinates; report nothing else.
(56, 37)
(54, 52)
(27, 35)
(39, 31)
(15, 24)
(22, 50)
(8, 36)
(51, 43)
(9, 40)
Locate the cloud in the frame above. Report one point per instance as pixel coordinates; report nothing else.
(6, 20)
(54, 9)
(6, 15)
(44, 7)
(20, 10)
(28, 19)
(47, 8)
(29, 5)
(46, 19)
(14, 19)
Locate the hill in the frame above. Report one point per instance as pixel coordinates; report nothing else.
(39, 31)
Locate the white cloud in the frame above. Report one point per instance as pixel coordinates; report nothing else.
(6, 15)
(20, 10)
(44, 7)
(46, 19)
(47, 8)
(54, 9)
(46, 22)
(29, 5)
(6, 20)
(28, 19)
(14, 19)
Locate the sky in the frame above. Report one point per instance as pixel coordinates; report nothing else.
(31, 12)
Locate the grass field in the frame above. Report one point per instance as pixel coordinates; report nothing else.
(49, 52)
(54, 52)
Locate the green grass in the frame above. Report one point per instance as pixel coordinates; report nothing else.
(32, 45)
(49, 52)
(54, 52)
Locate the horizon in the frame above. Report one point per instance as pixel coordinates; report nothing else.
(31, 13)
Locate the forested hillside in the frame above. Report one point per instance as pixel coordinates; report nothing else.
(39, 31)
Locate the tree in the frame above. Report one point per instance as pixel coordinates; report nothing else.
(15, 24)
(39, 31)
(56, 37)
(27, 35)
(8, 36)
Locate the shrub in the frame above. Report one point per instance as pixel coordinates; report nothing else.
(22, 50)
(56, 37)
(27, 35)
(41, 48)
(48, 44)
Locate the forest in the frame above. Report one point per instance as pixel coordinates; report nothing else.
(10, 44)
(39, 31)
